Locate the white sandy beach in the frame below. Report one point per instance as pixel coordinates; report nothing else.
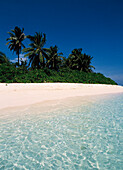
(20, 94)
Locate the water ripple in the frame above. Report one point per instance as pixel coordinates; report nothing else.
(86, 137)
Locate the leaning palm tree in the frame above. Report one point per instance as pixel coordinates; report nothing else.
(3, 58)
(15, 40)
(54, 58)
(36, 52)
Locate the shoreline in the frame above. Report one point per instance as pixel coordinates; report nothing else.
(25, 94)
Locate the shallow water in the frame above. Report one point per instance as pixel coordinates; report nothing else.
(83, 137)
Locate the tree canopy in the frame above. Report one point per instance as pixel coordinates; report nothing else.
(3, 58)
(46, 64)
(15, 40)
(55, 59)
(36, 51)
(41, 57)
(79, 61)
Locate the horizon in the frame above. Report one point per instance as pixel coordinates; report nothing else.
(96, 27)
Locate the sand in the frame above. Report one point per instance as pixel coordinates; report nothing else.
(20, 94)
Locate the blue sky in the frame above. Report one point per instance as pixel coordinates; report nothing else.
(96, 26)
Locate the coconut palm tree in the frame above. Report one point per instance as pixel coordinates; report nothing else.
(75, 59)
(87, 67)
(3, 58)
(54, 58)
(36, 53)
(15, 41)
(79, 61)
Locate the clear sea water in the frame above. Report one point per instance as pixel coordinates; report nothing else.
(83, 137)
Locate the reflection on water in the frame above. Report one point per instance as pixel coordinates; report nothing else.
(82, 137)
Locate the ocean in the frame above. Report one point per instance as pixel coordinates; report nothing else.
(87, 135)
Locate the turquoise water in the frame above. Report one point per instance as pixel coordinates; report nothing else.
(83, 137)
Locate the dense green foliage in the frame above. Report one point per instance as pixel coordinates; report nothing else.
(79, 61)
(46, 64)
(55, 59)
(11, 74)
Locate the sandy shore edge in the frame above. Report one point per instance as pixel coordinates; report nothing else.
(20, 94)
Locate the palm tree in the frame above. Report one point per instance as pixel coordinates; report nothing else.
(54, 58)
(36, 53)
(15, 40)
(75, 59)
(79, 61)
(87, 67)
(3, 58)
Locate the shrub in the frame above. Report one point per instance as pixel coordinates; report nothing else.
(11, 74)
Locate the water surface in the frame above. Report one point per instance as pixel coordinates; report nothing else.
(87, 136)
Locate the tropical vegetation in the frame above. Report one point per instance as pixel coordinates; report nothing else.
(15, 41)
(3, 58)
(55, 59)
(46, 64)
(79, 61)
(36, 51)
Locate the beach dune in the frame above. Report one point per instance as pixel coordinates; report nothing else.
(20, 94)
